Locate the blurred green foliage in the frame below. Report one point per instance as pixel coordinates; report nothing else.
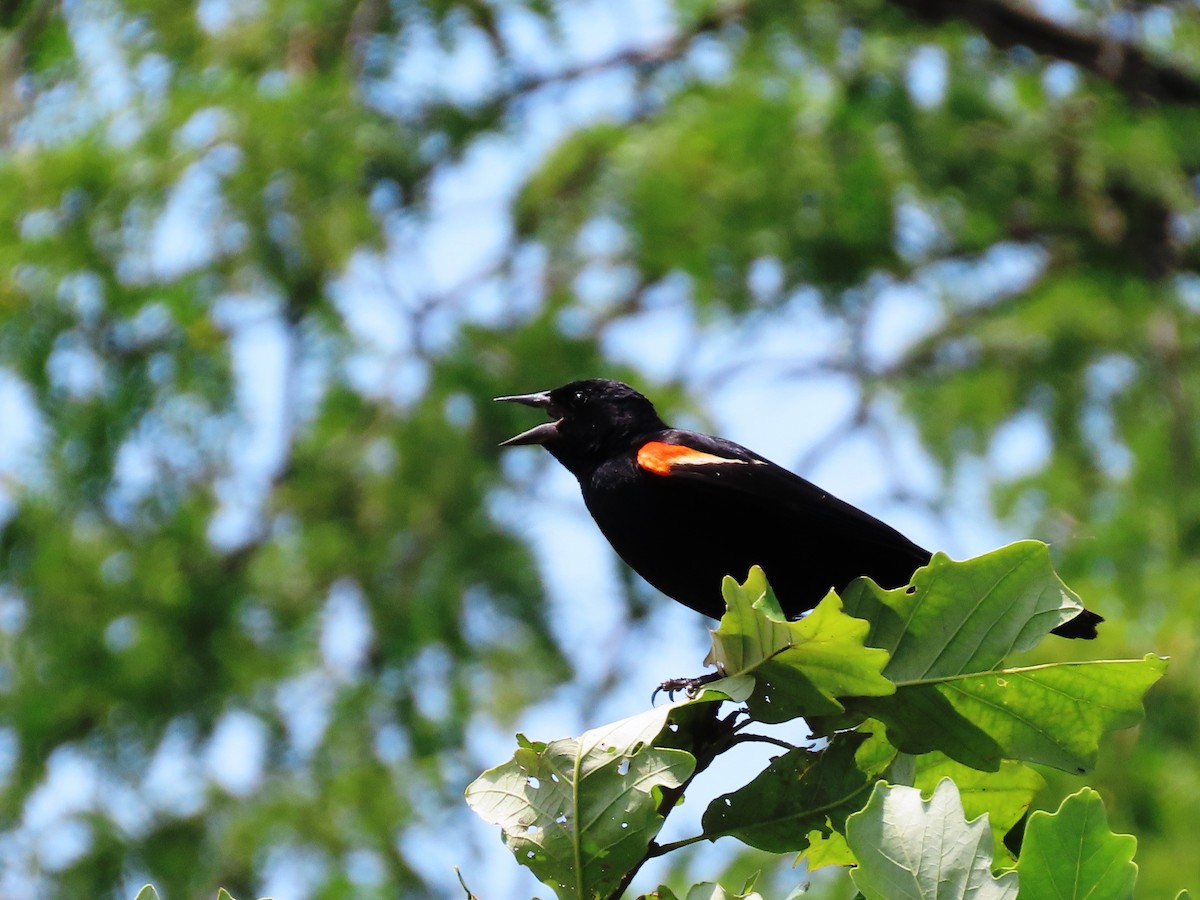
(808, 134)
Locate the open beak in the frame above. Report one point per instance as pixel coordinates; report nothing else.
(539, 434)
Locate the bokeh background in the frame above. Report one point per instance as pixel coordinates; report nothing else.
(269, 594)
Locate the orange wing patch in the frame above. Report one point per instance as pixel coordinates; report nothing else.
(659, 458)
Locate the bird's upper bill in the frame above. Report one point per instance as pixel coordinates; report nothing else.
(539, 434)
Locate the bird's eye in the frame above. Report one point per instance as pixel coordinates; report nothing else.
(579, 396)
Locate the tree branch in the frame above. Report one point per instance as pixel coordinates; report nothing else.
(712, 737)
(13, 50)
(750, 738)
(650, 56)
(1123, 63)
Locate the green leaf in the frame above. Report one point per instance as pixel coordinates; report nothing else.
(1073, 854)
(801, 668)
(704, 891)
(827, 850)
(737, 688)
(1004, 795)
(948, 632)
(580, 812)
(799, 793)
(1049, 714)
(147, 893)
(708, 891)
(827, 846)
(914, 849)
(965, 616)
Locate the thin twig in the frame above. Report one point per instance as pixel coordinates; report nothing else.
(1123, 63)
(748, 738)
(462, 882)
(663, 849)
(640, 57)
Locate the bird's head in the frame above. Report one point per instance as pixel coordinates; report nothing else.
(593, 420)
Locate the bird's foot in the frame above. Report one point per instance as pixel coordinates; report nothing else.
(690, 686)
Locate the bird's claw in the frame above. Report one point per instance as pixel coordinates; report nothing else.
(690, 686)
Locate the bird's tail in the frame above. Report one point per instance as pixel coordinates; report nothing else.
(1082, 626)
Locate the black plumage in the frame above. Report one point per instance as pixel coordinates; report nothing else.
(684, 509)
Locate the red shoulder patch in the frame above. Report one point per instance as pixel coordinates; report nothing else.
(660, 458)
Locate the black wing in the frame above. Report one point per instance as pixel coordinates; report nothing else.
(781, 493)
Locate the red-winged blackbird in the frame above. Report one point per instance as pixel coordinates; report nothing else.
(685, 509)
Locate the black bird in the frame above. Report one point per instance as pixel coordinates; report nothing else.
(685, 509)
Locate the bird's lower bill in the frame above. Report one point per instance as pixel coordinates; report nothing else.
(539, 434)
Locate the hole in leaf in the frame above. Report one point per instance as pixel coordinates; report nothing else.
(532, 829)
(623, 767)
(674, 726)
(554, 778)
(560, 819)
(728, 802)
(530, 855)
(624, 824)
(533, 782)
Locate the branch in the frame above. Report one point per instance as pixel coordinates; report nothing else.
(750, 738)
(364, 22)
(712, 738)
(1123, 63)
(470, 894)
(664, 51)
(17, 45)
(14, 49)
(654, 55)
